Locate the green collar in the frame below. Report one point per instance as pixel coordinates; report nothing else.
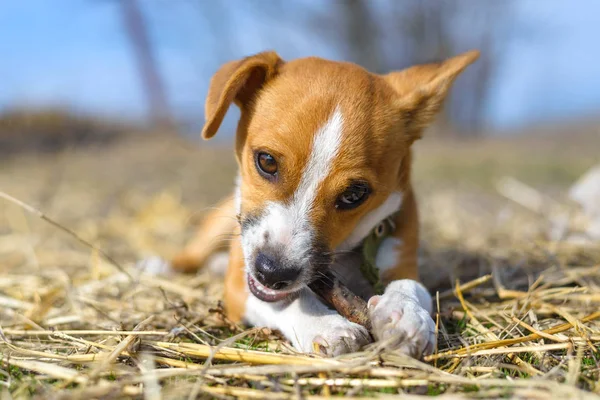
(370, 247)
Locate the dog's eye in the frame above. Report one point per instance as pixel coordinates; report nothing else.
(266, 165)
(353, 196)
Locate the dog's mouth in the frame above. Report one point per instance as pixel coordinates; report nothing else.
(264, 293)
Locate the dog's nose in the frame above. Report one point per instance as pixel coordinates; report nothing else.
(272, 274)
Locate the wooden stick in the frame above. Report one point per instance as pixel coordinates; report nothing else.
(349, 305)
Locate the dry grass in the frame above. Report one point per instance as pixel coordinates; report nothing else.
(523, 322)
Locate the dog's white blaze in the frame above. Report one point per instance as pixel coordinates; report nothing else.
(289, 224)
(288, 230)
(368, 222)
(388, 254)
(325, 148)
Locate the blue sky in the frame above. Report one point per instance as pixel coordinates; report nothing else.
(74, 53)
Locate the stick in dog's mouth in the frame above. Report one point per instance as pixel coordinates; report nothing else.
(348, 304)
(330, 289)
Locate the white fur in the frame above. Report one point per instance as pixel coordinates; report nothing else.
(288, 225)
(305, 321)
(368, 222)
(291, 236)
(413, 290)
(154, 265)
(325, 148)
(388, 254)
(402, 316)
(218, 262)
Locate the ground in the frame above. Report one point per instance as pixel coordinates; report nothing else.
(523, 322)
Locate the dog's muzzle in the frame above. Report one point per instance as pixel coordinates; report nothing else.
(280, 260)
(272, 278)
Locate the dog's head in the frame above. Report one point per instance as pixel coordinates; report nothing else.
(323, 150)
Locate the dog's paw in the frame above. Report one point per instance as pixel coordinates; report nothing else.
(154, 266)
(336, 336)
(401, 320)
(218, 263)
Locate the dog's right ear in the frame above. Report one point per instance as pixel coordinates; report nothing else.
(422, 89)
(237, 82)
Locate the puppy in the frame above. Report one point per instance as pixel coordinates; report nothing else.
(324, 155)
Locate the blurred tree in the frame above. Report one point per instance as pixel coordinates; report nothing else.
(432, 30)
(387, 35)
(135, 26)
(390, 34)
(360, 33)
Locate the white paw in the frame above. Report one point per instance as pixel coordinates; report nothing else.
(218, 263)
(335, 336)
(400, 319)
(154, 266)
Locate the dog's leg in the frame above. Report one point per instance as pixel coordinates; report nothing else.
(304, 321)
(403, 313)
(213, 236)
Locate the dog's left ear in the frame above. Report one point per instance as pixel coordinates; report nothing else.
(237, 82)
(422, 89)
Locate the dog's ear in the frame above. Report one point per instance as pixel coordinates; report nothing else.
(237, 82)
(422, 89)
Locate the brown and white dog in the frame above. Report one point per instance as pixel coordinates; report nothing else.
(324, 154)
